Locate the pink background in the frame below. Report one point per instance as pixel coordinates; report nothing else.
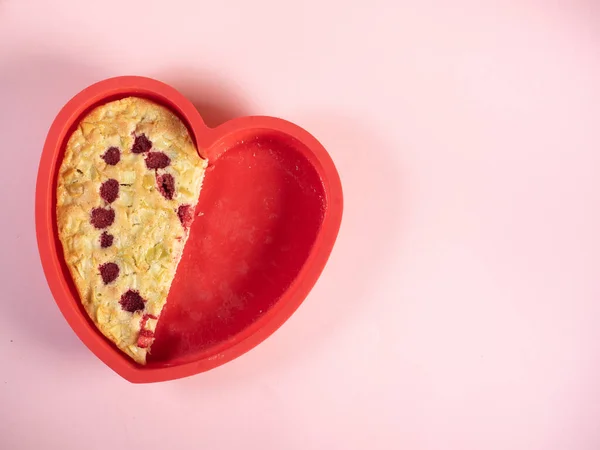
(460, 308)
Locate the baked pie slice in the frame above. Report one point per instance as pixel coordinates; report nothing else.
(126, 193)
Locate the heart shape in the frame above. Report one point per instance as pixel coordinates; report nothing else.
(270, 211)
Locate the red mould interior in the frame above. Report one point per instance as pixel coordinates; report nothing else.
(266, 221)
(259, 214)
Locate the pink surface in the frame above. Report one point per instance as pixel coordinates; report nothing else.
(460, 307)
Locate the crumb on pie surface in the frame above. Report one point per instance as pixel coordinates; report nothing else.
(128, 169)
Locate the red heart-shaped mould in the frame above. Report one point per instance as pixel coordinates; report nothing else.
(269, 214)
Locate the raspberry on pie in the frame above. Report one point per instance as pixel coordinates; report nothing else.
(126, 191)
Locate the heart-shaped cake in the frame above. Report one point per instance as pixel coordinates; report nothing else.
(159, 280)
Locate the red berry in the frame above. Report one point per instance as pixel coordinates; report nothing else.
(109, 272)
(132, 301)
(106, 240)
(112, 156)
(109, 190)
(145, 339)
(185, 214)
(166, 185)
(157, 160)
(145, 319)
(141, 144)
(102, 218)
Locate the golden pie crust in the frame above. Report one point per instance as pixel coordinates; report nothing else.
(148, 236)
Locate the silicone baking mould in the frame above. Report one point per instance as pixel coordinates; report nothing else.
(267, 219)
